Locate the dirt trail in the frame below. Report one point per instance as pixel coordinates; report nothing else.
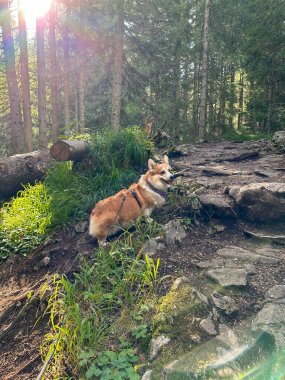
(212, 166)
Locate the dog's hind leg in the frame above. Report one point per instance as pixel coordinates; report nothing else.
(102, 240)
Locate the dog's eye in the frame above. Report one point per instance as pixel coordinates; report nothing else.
(163, 172)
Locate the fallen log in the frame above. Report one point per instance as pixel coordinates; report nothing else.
(22, 169)
(68, 150)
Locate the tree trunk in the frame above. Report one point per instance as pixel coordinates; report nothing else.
(118, 69)
(232, 98)
(270, 108)
(222, 105)
(17, 143)
(80, 79)
(66, 71)
(25, 80)
(81, 96)
(65, 150)
(53, 73)
(195, 101)
(204, 74)
(41, 73)
(240, 103)
(22, 169)
(185, 87)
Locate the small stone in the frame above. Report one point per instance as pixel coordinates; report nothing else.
(174, 233)
(196, 338)
(180, 281)
(151, 247)
(208, 326)
(147, 375)
(200, 296)
(156, 345)
(225, 303)
(18, 303)
(228, 277)
(45, 261)
(218, 229)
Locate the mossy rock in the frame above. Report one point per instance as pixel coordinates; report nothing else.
(179, 312)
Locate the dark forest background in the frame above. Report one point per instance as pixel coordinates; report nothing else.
(200, 68)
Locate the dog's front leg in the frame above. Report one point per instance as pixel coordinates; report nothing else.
(146, 214)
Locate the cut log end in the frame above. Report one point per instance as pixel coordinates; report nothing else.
(60, 151)
(65, 150)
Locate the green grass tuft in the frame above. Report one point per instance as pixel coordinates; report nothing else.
(25, 220)
(83, 312)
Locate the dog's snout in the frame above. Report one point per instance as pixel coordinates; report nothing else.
(172, 176)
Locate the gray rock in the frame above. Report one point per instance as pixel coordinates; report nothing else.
(225, 303)
(156, 345)
(217, 171)
(220, 262)
(147, 375)
(260, 202)
(208, 326)
(276, 293)
(242, 255)
(152, 246)
(221, 357)
(278, 239)
(228, 277)
(174, 233)
(227, 335)
(217, 205)
(271, 319)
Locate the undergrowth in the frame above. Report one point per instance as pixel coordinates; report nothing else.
(70, 192)
(95, 336)
(245, 135)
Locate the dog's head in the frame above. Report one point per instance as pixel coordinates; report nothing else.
(159, 175)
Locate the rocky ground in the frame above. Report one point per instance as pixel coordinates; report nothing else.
(228, 263)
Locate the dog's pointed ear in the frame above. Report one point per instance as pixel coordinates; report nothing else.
(165, 159)
(151, 164)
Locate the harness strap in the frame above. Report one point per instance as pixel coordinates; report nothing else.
(134, 194)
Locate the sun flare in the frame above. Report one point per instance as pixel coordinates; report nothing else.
(34, 9)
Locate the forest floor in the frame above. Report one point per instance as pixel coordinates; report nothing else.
(23, 323)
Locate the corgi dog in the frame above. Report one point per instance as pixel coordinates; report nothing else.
(121, 210)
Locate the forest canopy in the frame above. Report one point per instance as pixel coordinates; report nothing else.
(201, 68)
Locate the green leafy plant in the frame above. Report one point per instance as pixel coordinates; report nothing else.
(140, 331)
(25, 220)
(109, 365)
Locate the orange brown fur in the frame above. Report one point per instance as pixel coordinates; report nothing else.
(122, 209)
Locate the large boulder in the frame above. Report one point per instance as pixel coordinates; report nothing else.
(260, 202)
